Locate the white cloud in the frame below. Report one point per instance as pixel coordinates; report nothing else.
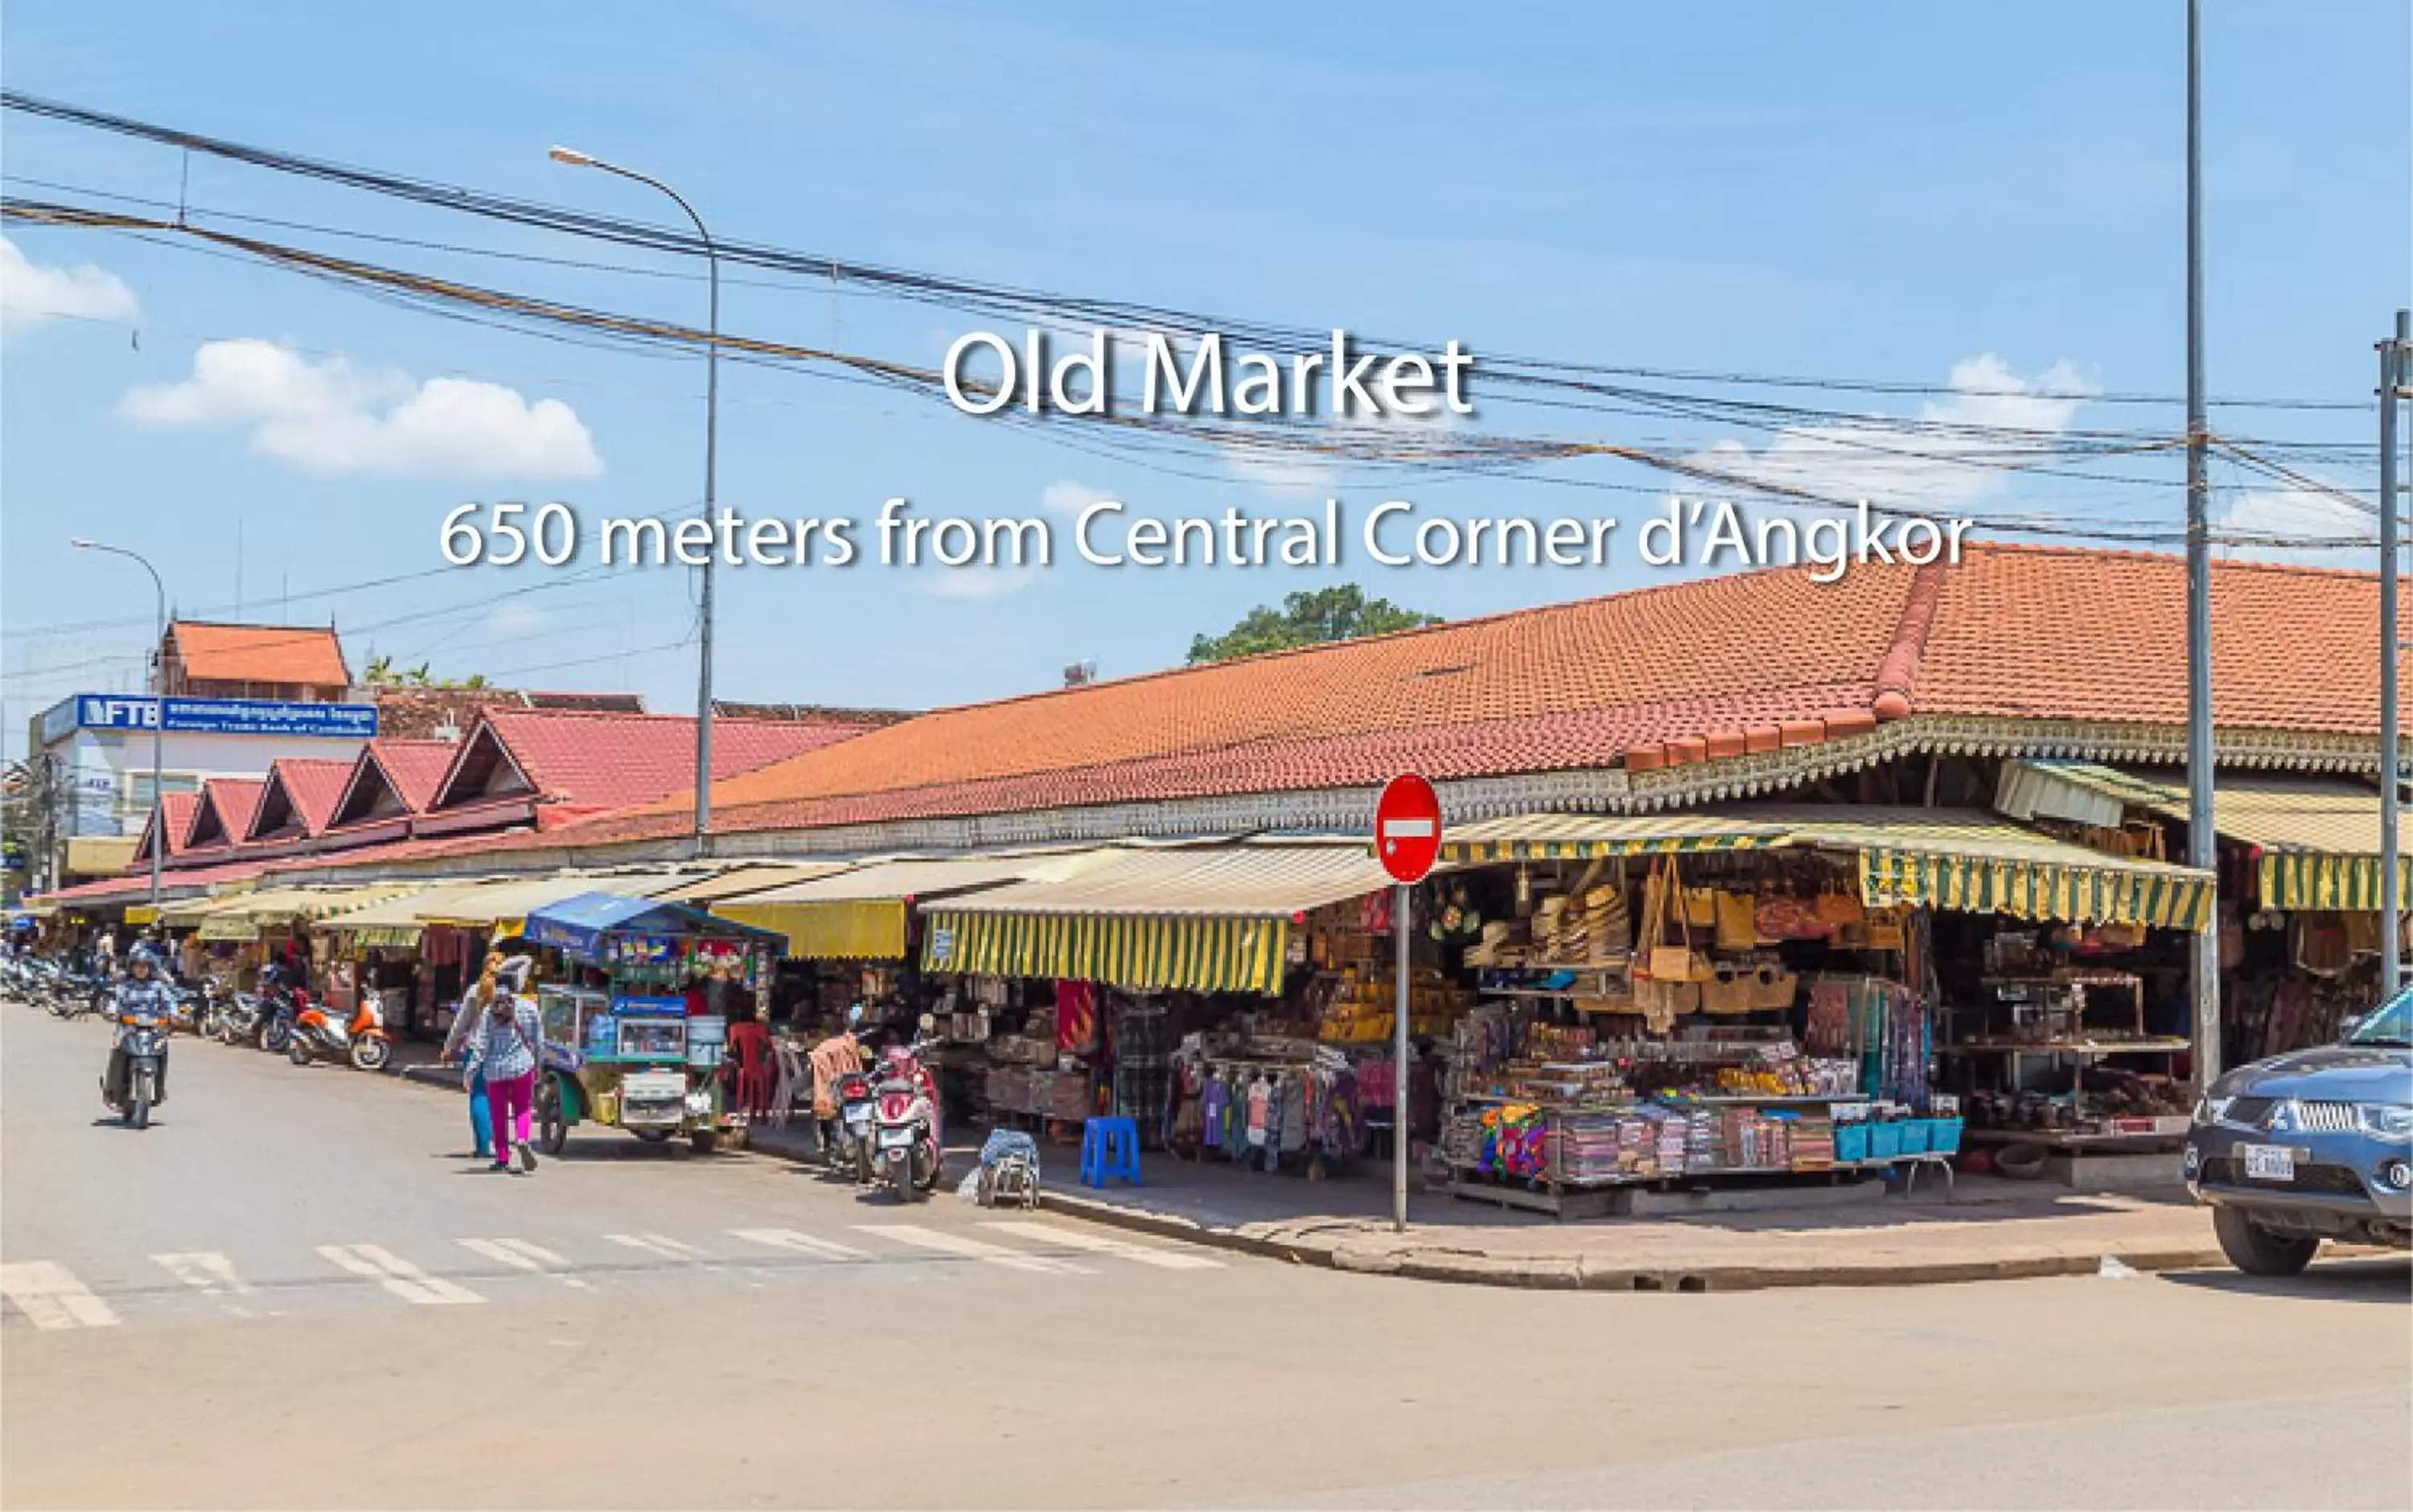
(2303, 513)
(33, 292)
(329, 417)
(1910, 469)
(1069, 497)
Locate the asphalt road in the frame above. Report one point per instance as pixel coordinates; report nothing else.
(294, 1291)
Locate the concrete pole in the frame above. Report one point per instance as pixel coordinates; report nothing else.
(2392, 376)
(2202, 831)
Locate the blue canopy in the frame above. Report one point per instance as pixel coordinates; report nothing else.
(579, 923)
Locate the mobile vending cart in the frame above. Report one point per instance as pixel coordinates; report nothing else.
(627, 1055)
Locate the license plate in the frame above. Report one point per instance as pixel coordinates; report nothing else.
(859, 1118)
(2269, 1163)
(896, 1138)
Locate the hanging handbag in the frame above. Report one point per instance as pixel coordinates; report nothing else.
(1838, 908)
(1738, 922)
(1678, 962)
(1730, 990)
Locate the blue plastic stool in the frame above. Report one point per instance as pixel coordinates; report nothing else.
(1109, 1148)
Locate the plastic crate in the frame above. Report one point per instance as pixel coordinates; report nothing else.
(1884, 1141)
(1850, 1142)
(1944, 1135)
(1915, 1135)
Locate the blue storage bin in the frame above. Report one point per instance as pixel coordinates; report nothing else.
(1944, 1135)
(1850, 1142)
(1884, 1141)
(1915, 1134)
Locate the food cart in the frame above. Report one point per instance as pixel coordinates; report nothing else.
(623, 1053)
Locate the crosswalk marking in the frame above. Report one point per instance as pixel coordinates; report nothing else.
(660, 1244)
(788, 1239)
(1101, 1244)
(398, 1276)
(520, 1255)
(211, 1274)
(49, 1293)
(971, 1249)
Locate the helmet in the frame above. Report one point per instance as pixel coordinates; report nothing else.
(141, 956)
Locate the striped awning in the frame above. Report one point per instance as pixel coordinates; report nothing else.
(1140, 951)
(1969, 861)
(386, 935)
(753, 876)
(1585, 837)
(2318, 836)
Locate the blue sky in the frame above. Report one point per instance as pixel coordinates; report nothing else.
(1866, 190)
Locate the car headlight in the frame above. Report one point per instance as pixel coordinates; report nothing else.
(2212, 1109)
(2386, 1121)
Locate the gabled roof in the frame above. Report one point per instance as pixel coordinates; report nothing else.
(177, 808)
(596, 762)
(300, 797)
(391, 779)
(1691, 671)
(310, 654)
(224, 813)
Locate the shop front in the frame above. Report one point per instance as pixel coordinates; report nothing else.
(2301, 936)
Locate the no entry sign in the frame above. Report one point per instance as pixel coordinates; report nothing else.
(1407, 828)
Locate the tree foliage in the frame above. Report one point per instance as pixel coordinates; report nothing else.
(1336, 613)
(383, 672)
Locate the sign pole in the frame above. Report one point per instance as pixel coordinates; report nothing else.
(1402, 896)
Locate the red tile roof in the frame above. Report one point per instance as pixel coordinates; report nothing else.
(415, 767)
(1683, 672)
(232, 801)
(177, 808)
(308, 654)
(611, 760)
(300, 796)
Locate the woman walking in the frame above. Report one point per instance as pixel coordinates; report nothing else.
(508, 1050)
(468, 1023)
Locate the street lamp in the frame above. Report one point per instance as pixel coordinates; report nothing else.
(711, 447)
(158, 713)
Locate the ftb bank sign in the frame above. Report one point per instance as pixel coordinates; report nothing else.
(210, 715)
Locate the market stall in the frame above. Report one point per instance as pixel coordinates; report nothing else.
(629, 1047)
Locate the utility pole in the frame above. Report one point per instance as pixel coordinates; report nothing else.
(2203, 953)
(575, 158)
(2395, 373)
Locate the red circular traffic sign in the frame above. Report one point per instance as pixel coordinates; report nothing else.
(1407, 828)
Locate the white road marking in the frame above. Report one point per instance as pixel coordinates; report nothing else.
(788, 1239)
(49, 1293)
(971, 1249)
(1101, 1244)
(211, 1274)
(398, 1276)
(521, 1254)
(662, 1245)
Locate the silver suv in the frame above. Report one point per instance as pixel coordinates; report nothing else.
(2311, 1145)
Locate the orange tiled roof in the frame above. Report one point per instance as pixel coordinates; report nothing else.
(1688, 671)
(300, 797)
(233, 800)
(305, 654)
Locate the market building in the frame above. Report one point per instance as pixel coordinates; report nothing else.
(1746, 879)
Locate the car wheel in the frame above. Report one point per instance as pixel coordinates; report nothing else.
(2258, 1251)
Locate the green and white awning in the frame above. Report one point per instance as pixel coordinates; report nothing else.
(1144, 952)
(1588, 837)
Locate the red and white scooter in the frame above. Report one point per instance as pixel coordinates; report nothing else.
(905, 1135)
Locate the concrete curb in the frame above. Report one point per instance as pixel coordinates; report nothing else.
(1596, 1273)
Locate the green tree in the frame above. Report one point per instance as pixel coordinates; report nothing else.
(1335, 614)
(383, 672)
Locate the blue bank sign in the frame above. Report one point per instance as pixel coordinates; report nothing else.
(213, 715)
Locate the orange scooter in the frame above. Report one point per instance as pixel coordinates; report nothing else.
(362, 1040)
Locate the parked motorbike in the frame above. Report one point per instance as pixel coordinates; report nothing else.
(905, 1127)
(361, 1039)
(278, 1009)
(851, 1147)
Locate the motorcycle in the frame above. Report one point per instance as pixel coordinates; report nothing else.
(279, 1010)
(361, 1039)
(905, 1128)
(146, 1044)
(851, 1143)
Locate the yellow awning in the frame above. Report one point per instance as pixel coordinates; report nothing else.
(1585, 837)
(863, 929)
(1969, 861)
(2318, 836)
(1141, 952)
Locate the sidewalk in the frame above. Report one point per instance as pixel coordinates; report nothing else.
(1990, 1229)
(1987, 1229)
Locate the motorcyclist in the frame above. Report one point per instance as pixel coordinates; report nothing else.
(139, 997)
